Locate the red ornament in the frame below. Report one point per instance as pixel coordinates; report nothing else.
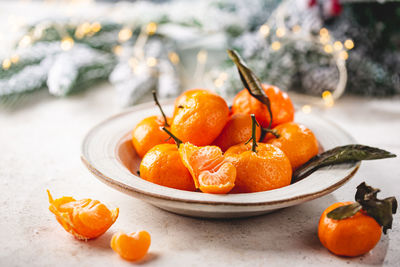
(312, 3)
(336, 8)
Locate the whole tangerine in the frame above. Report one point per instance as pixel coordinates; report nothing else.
(162, 165)
(237, 130)
(259, 167)
(148, 133)
(266, 169)
(181, 99)
(281, 106)
(296, 141)
(200, 117)
(352, 236)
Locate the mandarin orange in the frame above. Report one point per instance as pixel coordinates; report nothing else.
(259, 167)
(281, 106)
(200, 117)
(181, 99)
(236, 131)
(266, 169)
(296, 141)
(352, 236)
(162, 165)
(85, 219)
(148, 133)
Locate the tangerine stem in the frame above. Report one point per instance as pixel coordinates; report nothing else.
(176, 139)
(159, 106)
(253, 137)
(264, 132)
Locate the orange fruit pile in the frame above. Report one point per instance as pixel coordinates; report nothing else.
(210, 153)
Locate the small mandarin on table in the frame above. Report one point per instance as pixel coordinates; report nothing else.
(132, 246)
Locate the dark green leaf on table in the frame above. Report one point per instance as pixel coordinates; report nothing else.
(344, 212)
(338, 155)
(379, 209)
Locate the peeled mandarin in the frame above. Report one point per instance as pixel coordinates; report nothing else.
(85, 219)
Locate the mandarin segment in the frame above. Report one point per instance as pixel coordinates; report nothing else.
(281, 106)
(352, 236)
(162, 165)
(296, 141)
(267, 169)
(200, 117)
(85, 219)
(236, 131)
(208, 167)
(219, 181)
(132, 246)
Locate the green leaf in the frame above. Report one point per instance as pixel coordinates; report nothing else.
(251, 82)
(338, 155)
(379, 209)
(344, 212)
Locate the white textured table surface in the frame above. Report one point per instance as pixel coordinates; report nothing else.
(40, 148)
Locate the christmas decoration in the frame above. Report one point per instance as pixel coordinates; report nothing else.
(319, 48)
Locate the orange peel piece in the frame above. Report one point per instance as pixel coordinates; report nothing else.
(84, 219)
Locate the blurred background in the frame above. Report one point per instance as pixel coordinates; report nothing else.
(316, 49)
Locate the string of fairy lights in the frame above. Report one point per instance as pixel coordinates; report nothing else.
(338, 49)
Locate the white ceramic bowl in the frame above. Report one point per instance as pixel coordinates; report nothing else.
(108, 153)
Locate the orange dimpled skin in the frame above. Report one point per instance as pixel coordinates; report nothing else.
(148, 133)
(297, 141)
(85, 219)
(132, 246)
(200, 117)
(352, 236)
(236, 131)
(266, 169)
(208, 167)
(281, 106)
(180, 100)
(162, 165)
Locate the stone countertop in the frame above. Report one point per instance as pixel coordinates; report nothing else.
(40, 149)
